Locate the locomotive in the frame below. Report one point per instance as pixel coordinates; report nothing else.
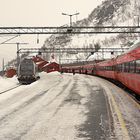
(124, 68)
(27, 71)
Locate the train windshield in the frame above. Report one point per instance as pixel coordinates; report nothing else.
(27, 67)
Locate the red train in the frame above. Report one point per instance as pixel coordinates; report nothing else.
(124, 68)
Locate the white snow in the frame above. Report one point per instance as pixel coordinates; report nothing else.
(6, 83)
(128, 108)
(46, 109)
(31, 107)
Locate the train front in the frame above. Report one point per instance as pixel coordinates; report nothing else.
(27, 71)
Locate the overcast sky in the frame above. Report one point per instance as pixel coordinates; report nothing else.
(43, 12)
(39, 13)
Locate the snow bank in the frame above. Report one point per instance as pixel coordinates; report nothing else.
(7, 83)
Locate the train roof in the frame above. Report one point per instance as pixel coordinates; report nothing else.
(107, 62)
(132, 54)
(136, 45)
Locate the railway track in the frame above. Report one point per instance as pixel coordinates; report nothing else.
(10, 89)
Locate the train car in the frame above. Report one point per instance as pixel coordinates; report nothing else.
(128, 69)
(106, 69)
(124, 68)
(10, 72)
(87, 69)
(27, 71)
(75, 68)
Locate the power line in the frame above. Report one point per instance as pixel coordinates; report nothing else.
(8, 40)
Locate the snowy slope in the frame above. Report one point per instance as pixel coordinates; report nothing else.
(110, 12)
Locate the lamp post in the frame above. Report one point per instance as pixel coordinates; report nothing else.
(70, 17)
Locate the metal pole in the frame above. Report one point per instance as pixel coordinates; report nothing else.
(138, 21)
(17, 55)
(3, 67)
(59, 54)
(70, 20)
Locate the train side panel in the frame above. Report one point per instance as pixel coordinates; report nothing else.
(106, 69)
(128, 70)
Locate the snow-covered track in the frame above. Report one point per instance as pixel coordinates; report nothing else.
(10, 89)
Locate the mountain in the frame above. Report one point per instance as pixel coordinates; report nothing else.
(110, 12)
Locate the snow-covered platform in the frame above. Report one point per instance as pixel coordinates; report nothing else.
(68, 107)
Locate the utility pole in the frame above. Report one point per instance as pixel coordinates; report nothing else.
(18, 57)
(3, 67)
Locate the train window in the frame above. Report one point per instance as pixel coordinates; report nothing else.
(133, 66)
(107, 68)
(119, 67)
(113, 68)
(137, 66)
(101, 68)
(127, 67)
(123, 67)
(116, 67)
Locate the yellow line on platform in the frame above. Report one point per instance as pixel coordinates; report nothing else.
(120, 118)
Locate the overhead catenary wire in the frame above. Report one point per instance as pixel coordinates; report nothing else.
(9, 39)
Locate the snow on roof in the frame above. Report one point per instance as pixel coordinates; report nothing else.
(40, 62)
(50, 64)
(134, 46)
(46, 64)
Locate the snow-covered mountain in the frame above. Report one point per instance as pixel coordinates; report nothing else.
(110, 12)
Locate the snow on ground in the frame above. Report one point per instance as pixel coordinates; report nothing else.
(34, 111)
(65, 107)
(6, 83)
(128, 111)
